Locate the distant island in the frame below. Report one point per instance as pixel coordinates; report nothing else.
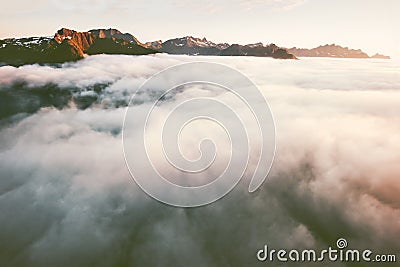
(69, 45)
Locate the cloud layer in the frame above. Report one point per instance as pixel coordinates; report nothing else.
(67, 198)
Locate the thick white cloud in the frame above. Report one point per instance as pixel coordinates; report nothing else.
(67, 197)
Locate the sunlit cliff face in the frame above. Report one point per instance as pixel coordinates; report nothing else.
(67, 198)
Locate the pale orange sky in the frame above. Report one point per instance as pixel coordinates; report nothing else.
(370, 25)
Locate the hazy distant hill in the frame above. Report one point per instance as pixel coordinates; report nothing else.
(331, 51)
(380, 56)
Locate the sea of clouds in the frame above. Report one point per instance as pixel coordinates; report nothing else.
(67, 199)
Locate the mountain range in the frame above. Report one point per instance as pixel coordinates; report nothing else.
(69, 45)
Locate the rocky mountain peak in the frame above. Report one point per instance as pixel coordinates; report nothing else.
(105, 33)
(154, 44)
(65, 31)
(80, 41)
(114, 33)
(259, 44)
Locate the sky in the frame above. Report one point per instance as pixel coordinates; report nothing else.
(370, 25)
